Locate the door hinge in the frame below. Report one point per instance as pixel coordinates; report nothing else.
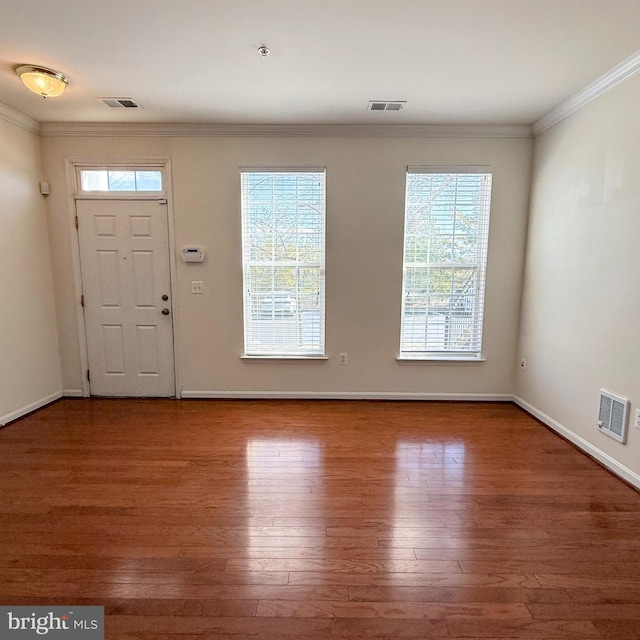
(76, 222)
(88, 375)
(162, 201)
(82, 300)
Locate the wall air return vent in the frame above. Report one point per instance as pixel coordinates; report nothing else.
(613, 415)
(386, 105)
(120, 103)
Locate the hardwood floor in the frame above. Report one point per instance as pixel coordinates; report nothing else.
(301, 520)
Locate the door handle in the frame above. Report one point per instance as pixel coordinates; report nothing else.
(165, 312)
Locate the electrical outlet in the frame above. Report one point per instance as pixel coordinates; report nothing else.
(343, 358)
(636, 420)
(523, 363)
(197, 286)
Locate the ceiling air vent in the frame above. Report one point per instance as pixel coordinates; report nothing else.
(613, 415)
(386, 105)
(120, 103)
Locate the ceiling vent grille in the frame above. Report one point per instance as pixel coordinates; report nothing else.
(386, 105)
(120, 103)
(613, 415)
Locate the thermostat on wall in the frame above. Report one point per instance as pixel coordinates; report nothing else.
(193, 254)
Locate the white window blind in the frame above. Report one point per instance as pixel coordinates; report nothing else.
(445, 255)
(283, 241)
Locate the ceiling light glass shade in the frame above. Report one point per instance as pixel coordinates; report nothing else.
(45, 82)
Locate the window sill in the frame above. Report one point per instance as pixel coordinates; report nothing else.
(438, 360)
(246, 358)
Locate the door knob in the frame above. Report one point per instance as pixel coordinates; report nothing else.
(165, 312)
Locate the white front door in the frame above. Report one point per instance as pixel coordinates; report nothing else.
(124, 255)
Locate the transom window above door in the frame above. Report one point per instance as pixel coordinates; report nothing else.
(119, 180)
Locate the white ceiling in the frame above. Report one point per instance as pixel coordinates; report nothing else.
(196, 61)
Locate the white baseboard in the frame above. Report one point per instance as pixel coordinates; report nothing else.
(345, 395)
(604, 459)
(19, 413)
(73, 393)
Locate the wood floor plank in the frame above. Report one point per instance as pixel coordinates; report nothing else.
(619, 629)
(571, 581)
(389, 628)
(501, 580)
(127, 591)
(310, 520)
(346, 566)
(612, 595)
(525, 629)
(12, 576)
(587, 566)
(405, 610)
(469, 594)
(118, 625)
(552, 611)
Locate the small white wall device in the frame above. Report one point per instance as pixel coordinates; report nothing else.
(193, 254)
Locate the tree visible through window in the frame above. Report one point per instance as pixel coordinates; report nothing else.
(283, 237)
(445, 254)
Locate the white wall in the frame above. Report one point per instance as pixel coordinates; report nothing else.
(365, 209)
(581, 302)
(29, 358)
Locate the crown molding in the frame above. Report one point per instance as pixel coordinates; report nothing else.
(625, 70)
(19, 119)
(107, 129)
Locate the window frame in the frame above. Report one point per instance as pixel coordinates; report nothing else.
(250, 353)
(451, 356)
(115, 194)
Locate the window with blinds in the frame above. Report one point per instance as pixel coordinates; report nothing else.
(283, 246)
(445, 255)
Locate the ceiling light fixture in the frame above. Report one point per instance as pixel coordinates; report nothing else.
(45, 82)
(264, 51)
